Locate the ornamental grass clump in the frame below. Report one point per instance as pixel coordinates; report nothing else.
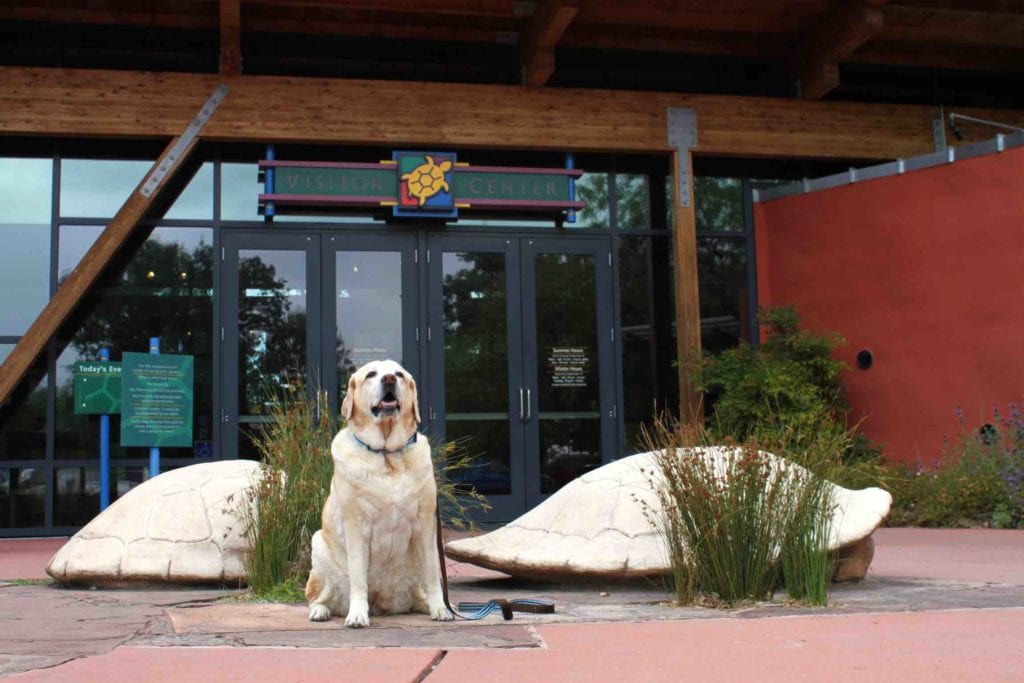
(737, 523)
(295, 477)
(295, 449)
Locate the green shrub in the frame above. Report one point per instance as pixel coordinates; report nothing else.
(789, 384)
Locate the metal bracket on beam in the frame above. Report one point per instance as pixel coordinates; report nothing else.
(173, 157)
(682, 134)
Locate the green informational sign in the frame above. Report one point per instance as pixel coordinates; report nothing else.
(157, 400)
(97, 387)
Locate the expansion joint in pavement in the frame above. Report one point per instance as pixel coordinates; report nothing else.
(431, 666)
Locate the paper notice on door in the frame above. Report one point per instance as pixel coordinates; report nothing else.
(568, 366)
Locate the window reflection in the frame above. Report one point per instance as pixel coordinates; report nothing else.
(239, 189)
(718, 203)
(97, 188)
(22, 497)
(165, 289)
(26, 198)
(196, 201)
(632, 202)
(23, 420)
(77, 495)
(722, 264)
(368, 304)
(592, 190)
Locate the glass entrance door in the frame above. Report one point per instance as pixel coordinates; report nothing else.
(305, 309)
(522, 368)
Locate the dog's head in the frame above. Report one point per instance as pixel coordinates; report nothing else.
(382, 395)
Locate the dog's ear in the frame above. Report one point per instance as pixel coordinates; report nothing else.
(349, 401)
(411, 417)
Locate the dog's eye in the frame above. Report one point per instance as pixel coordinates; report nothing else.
(400, 374)
(371, 373)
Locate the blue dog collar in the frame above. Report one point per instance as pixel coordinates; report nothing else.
(384, 451)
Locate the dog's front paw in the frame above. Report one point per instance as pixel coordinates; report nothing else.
(357, 617)
(440, 612)
(318, 612)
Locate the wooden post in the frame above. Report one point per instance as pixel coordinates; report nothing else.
(682, 135)
(102, 252)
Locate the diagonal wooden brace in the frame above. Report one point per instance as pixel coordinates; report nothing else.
(76, 286)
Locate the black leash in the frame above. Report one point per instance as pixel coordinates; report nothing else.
(482, 609)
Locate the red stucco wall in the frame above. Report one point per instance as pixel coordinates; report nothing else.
(925, 270)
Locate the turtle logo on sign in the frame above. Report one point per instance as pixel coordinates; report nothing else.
(425, 184)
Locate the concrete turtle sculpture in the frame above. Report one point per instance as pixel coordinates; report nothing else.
(185, 526)
(427, 179)
(594, 527)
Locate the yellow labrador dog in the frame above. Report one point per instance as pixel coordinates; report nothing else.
(376, 549)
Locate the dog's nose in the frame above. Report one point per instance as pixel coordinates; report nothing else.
(389, 379)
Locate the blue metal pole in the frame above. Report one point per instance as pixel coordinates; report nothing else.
(104, 449)
(570, 163)
(269, 184)
(154, 452)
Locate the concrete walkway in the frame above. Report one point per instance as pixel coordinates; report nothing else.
(938, 605)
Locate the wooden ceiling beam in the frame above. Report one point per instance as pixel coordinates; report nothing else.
(86, 103)
(537, 42)
(815, 61)
(230, 37)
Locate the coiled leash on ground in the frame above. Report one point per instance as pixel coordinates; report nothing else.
(479, 610)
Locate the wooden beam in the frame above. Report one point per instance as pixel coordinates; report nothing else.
(537, 42)
(681, 137)
(230, 37)
(132, 104)
(687, 294)
(101, 253)
(815, 61)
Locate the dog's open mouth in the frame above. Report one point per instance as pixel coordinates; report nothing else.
(389, 405)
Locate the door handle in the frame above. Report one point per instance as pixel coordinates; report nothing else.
(529, 404)
(520, 403)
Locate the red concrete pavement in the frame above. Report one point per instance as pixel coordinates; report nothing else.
(27, 558)
(245, 665)
(971, 555)
(975, 645)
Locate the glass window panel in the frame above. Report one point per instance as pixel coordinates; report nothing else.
(475, 333)
(24, 275)
(165, 289)
(239, 197)
(632, 202)
(26, 202)
(592, 190)
(487, 443)
(722, 271)
(77, 496)
(474, 290)
(368, 303)
(271, 323)
(196, 200)
(26, 190)
(650, 380)
(125, 479)
(568, 398)
(73, 242)
(97, 188)
(718, 203)
(23, 421)
(5, 350)
(22, 498)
